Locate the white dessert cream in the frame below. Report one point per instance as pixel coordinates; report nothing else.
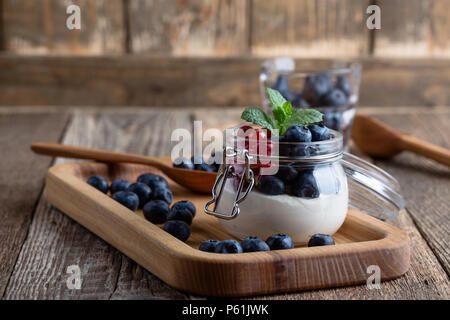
(263, 215)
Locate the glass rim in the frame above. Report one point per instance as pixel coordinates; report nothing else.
(351, 66)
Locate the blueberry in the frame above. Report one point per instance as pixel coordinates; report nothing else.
(153, 180)
(204, 167)
(300, 102)
(287, 173)
(185, 204)
(305, 185)
(316, 86)
(319, 132)
(127, 199)
(163, 194)
(119, 185)
(183, 163)
(300, 150)
(297, 133)
(270, 185)
(281, 84)
(215, 160)
(179, 229)
(98, 183)
(197, 159)
(182, 214)
(320, 240)
(252, 244)
(143, 191)
(343, 85)
(228, 246)
(334, 98)
(156, 211)
(280, 241)
(333, 120)
(209, 245)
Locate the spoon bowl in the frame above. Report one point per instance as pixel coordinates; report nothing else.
(195, 180)
(378, 140)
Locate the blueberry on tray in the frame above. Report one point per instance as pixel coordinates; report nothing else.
(185, 204)
(179, 229)
(143, 191)
(119, 185)
(280, 241)
(98, 183)
(156, 211)
(228, 246)
(180, 213)
(153, 180)
(253, 244)
(321, 240)
(209, 245)
(127, 199)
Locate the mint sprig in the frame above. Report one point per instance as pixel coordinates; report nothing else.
(284, 115)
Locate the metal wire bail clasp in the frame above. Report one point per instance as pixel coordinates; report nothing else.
(227, 171)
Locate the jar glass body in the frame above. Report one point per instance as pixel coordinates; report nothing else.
(302, 195)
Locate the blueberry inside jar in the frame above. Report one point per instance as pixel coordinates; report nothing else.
(298, 184)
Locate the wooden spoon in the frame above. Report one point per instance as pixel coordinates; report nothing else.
(378, 140)
(195, 180)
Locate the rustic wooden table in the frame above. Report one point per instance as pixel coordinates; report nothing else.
(38, 242)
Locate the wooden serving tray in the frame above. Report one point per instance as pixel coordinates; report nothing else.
(361, 241)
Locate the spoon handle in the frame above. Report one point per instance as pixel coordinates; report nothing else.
(425, 149)
(65, 151)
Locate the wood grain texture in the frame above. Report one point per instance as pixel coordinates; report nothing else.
(151, 81)
(308, 28)
(418, 28)
(39, 27)
(362, 241)
(21, 178)
(429, 200)
(189, 28)
(55, 242)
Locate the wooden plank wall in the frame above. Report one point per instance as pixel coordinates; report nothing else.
(302, 28)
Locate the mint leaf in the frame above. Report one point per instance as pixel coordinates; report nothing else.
(301, 116)
(259, 117)
(282, 113)
(275, 98)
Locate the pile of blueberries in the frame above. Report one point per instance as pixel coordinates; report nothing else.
(318, 91)
(151, 193)
(298, 182)
(278, 241)
(197, 162)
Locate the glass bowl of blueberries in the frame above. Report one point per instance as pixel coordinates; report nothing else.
(330, 86)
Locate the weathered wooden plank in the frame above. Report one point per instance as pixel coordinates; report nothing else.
(426, 184)
(159, 81)
(416, 28)
(189, 28)
(426, 278)
(39, 27)
(55, 242)
(21, 177)
(314, 28)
